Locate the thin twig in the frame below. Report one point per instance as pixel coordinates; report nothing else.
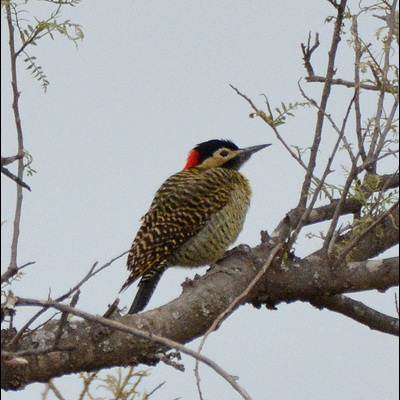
(378, 137)
(13, 343)
(54, 389)
(342, 82)
(307, 53)
(20, 140)
(366, 164)
(323, 105)
(63, 320)
(90, 274)
(147, 395)
(277, 134)
(10, 272)
(86, 384)
(314, 197)
(11, 159)
(357, 107)
(330, 238)
(17, 180)
(111, 309)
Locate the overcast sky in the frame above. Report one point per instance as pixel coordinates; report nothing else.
(149, 81)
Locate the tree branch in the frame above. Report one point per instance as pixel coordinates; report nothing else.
(323, 104)
(20, 140)
(191, 315)
(17, 180)
(387, 88)
(359, 312)
(117, 329)
(374, 241)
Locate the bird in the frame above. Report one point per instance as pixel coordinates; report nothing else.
(195, 216)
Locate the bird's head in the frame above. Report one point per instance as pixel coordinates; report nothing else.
(220, 153)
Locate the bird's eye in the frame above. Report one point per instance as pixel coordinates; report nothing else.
(224, 153)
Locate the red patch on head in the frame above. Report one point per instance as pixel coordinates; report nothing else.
(193, 159)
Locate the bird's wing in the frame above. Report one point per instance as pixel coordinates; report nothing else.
(180, 209)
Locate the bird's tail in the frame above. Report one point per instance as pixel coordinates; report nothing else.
(146, 288)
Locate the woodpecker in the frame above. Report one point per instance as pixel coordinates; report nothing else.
(195, 216)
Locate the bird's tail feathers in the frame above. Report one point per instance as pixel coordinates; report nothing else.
(146, 288)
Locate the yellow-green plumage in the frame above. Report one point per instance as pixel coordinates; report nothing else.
(195, 216)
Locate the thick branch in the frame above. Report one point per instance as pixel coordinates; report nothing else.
(382, 237)
(314, 277)
(119, 327)
(189, 316)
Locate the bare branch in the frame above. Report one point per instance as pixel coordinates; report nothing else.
(349, 84)
(20, 148)
(307, 53)
(111, 309)
(92, 272)
(357, 106)
(322, 105)
(359, 312)
(374, 241)
(10, 272)
(378, 136)
(320, 185)
(10, 160)
(360, 236)
(64, 319)
(316, 215)
(17, 180)
(141, 334)
(324, 213)
(86, 384)
(54, 389)
(147, 396)
(194, 311)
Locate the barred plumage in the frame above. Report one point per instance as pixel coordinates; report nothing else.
(195, 216)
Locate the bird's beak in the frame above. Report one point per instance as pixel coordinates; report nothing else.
(243, 155)
(249, 151)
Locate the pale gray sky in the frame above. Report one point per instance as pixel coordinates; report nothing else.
(150, 81)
